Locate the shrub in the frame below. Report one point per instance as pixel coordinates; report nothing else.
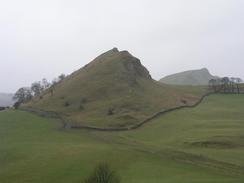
(183, 101)
(110, 111)
(83, 100)
(81, 107)
(103, 174)
(16, 105)
(62, 97)
(66, 104)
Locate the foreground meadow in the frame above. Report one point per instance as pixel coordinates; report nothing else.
(204, 144)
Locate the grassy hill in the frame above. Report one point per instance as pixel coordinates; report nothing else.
(114, 90)
(6, 99)
(193, 77)
(203, 145)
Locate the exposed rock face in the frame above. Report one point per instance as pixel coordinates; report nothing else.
(132, 66)
(135, 68)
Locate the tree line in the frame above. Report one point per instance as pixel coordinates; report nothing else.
(25, 94)
(226, 85)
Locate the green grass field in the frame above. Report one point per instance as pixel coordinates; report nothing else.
(200, 145)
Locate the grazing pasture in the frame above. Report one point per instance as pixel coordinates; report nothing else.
(204, 145)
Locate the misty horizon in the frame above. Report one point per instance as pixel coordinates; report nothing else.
(44, 39)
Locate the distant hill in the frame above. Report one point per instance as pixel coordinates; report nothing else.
(6, 99)
(114, 90)
(193, 77)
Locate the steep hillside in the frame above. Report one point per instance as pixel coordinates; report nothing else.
(193, 77)
(6, 99)
(114, 90)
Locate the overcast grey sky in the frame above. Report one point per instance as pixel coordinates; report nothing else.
(43, 38)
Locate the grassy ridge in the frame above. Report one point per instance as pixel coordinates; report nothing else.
(193, 77)
(204, 144)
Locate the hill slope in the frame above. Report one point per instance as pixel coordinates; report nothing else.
(6, 99)
(114, 90)
(193, 77)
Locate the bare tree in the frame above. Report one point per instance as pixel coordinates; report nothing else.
(36, 88)
(53, 85)
(55, 81)
(23, 94)
(45, 84)
(232, 82)
(238, 81)
(61, 77)
(225, 82)
(212, 84)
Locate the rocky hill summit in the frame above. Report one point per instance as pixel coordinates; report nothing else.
(113, 90)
